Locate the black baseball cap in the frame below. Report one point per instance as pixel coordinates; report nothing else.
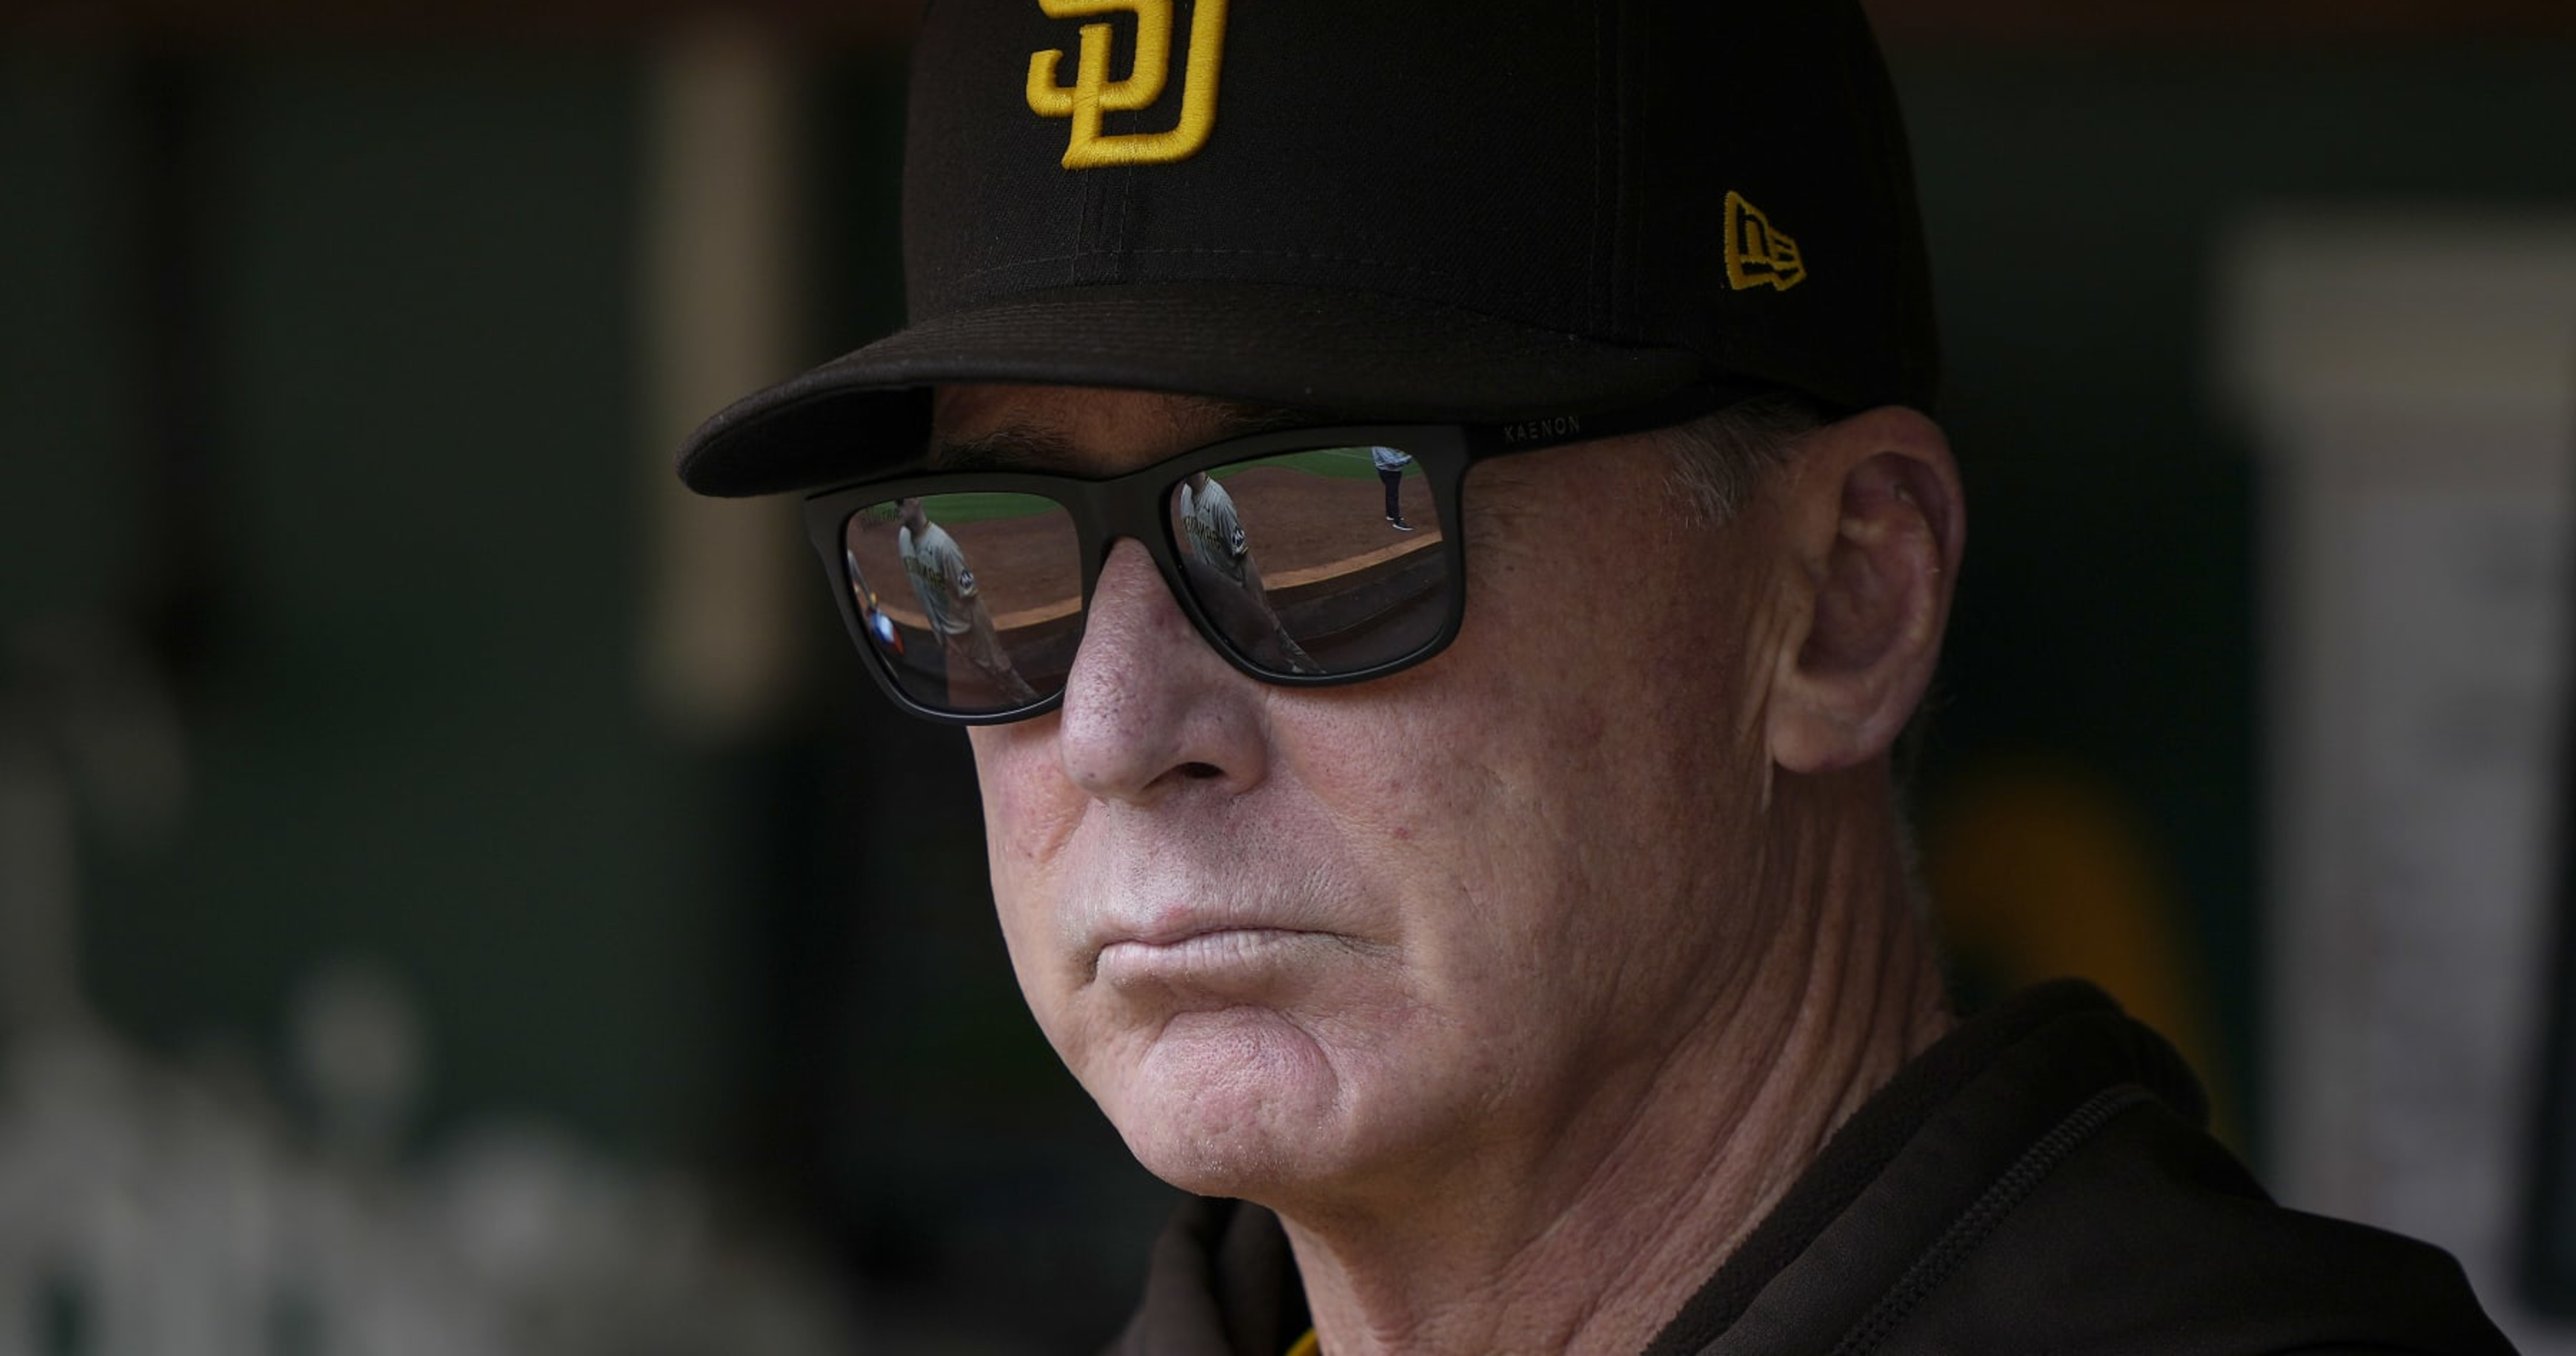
(1451, 210)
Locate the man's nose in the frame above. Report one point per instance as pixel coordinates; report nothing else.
(1149, 708)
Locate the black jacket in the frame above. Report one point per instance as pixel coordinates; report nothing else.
(2037, 1181)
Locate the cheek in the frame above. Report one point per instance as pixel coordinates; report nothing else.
(1448, 795)
(1030, 809)
(1591, 727)
(1030, 815)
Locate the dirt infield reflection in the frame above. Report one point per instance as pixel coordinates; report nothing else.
(975, 598)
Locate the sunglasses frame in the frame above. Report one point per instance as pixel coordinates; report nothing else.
(1108, 509)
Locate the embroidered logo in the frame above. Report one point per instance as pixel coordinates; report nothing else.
(1756, 254)
(1093, 93)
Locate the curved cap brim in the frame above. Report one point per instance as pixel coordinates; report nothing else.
(1343, 354)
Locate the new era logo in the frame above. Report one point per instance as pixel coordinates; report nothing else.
(1756, 254)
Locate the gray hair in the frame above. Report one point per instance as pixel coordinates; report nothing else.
(1720, 459)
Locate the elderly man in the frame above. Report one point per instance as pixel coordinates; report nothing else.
(1535, 968)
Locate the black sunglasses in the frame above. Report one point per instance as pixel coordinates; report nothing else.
(1307, 558)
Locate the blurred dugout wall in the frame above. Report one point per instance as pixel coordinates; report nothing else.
(397, 967)
(2411, 377)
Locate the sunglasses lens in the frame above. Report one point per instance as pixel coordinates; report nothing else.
(974, 601)
(1323, 561)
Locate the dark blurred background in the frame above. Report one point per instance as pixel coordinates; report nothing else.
(420, 821)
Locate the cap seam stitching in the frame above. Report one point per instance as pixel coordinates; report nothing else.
(1126, 200)
(996, 311)
(1603, 278)
(1423, 269)
(1628, 243)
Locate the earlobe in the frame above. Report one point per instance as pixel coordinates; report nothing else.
(1876, 520)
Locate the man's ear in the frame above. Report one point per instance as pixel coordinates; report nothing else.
(1874, 524)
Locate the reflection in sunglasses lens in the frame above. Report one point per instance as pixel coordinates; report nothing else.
(1320, 561)
(973, 600)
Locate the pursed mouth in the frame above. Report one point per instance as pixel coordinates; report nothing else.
(1203, 954)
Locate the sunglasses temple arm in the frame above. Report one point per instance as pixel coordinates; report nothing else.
(1556, 430)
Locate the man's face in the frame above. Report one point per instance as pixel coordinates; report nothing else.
(1307, 944)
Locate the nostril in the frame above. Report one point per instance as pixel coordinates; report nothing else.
(1200, 771)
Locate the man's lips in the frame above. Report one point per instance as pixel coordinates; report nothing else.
(1201, 955)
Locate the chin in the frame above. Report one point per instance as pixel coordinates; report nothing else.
(1236, 1101)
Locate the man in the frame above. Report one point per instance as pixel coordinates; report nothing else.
(1215, 542)
(1602, 1019)
(945, 584)
(1390, 463)
(1213, 532)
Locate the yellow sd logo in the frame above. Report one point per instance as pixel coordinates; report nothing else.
(1093, 93)
(1757, 255)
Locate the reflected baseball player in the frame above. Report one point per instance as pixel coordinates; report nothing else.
(1212, 536)
(945, 583)
(1390, 464)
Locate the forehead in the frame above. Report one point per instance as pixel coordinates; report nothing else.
(1083, 430)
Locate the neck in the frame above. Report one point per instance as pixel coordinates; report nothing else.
(1587, 1244)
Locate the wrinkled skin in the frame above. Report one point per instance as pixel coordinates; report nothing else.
(1469, 932)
